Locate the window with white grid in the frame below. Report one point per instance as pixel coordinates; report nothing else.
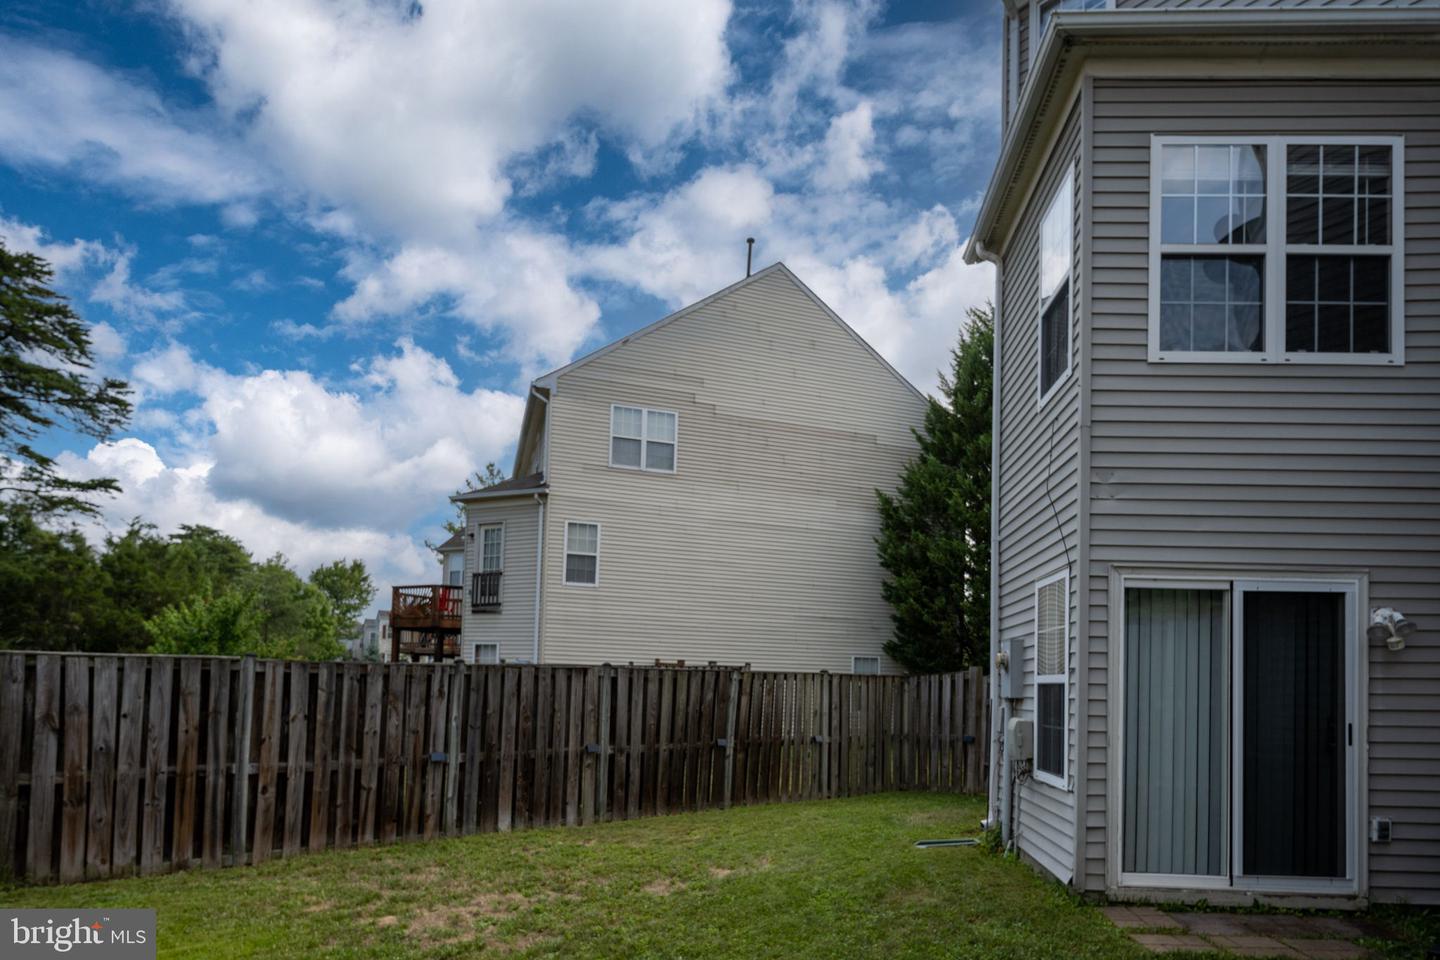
(582, 554)
(642, 439)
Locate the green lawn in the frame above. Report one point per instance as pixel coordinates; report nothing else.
(836, 878)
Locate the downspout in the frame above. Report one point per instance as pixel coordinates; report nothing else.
(539, 573)
(999, 787)
(540, 529)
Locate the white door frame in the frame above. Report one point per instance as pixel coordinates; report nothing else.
(1355, 587)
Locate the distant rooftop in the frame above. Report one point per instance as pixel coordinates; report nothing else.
(531, 483)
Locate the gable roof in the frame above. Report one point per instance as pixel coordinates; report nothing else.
(455, 544)
(775, 269)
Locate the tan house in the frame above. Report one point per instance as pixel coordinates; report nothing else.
(1216, 606)
(701, 490)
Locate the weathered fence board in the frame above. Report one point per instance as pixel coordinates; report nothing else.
(109, 764)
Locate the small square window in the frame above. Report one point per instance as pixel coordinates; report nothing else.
(487, 653)
(865, 666)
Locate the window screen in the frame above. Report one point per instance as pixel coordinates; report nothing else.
(1051, 630)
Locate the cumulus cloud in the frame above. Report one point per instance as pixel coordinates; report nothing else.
(286, 462)
(410, 114)
(383, 451)
(517, 286)
(848, 147)
(60, 111)
(169, 494)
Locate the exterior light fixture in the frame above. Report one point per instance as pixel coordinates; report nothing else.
(1391, 626)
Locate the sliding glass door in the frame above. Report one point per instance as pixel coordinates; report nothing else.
(1294, 732)
(1238, 762)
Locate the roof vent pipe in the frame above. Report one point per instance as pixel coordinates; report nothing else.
(749, 252)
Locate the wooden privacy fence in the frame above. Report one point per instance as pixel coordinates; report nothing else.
(112, 765)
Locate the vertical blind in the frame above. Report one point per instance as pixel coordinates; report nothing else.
(1176, 732)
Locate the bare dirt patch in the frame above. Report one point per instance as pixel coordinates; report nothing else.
(663, 887)
(720, 873)
(387, 921)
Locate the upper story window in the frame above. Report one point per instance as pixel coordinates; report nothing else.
(582, 554)
(492, 548)
(1276, 250)
(642, 439)
(1056, 262)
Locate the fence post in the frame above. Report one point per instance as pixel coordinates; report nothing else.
(731, 705)
(244, 719)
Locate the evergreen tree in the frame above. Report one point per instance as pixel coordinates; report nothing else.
(45, 383)
(935, 531)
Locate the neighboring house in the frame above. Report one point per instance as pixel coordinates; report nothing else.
(1217, 233)
(701, 490)
(374, 637)
(452, 560)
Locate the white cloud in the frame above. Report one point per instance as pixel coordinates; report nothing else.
(60, 111)
(848, 149)
(384, 452)
(67, 259)
(411, 114)
(171, 494)
(515, 283)
(131, 300)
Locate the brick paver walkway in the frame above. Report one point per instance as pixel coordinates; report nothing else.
(1243, 934)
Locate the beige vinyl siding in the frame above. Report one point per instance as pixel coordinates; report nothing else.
(1292, 466)
(1039, 449)
(760, 547)
(513, 626)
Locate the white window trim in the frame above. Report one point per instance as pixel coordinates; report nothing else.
(1063, 678)
(565, 553)
(853, 661)
(1042, 396)
(644, 438)
(480, 529)
(476, 654)
(1275, 249)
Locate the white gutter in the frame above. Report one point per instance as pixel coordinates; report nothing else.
(997, 715)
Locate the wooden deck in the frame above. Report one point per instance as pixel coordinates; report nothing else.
(425, 621)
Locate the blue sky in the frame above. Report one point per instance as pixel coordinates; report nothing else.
(330, 242)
